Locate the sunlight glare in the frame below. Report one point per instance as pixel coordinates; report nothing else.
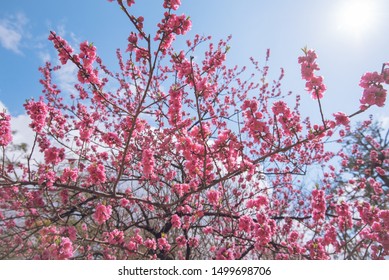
(356, 17)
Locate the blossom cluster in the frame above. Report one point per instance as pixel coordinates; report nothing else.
(171, 4)
(65, 51)
(373, 91)
(88, 56)
(55, 244)
(148, 162)
(172, 23)
(344, 216)
(5, 129)
(37, 110)
(314, 84)
(181, 189)
(184, 157)
(213, 197)
(96, 174)
(115, 237)
(182, 66)
(318, 205)
(102, 213)
(254, 123)
(175, 105)
(69, 175)
(171, 26)
(289, 120)
(54, 155)
(342, 119)
(176, 221)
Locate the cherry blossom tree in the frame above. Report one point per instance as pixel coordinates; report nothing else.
(174, 155)
(363, 178)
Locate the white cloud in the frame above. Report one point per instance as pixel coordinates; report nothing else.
(20, 125)
(11, 32)
(2, 107)
(23, 133)
(10, 39)
(44, 56)
(385, 122)
(67, 77)
(61, 30)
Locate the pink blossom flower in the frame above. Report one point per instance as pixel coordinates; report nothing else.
(175, 220)
(293, 236)
(370, 78)
(96, 173)
(5, 129)
(132, 42)
(70, 231)
(65, 249)
(214, 62)
(46, 176)
(181, 241)
(314, 84)
(376, 227)
(225, 254)
(172, 4)
(368, 214)
(124, 202)
(373, 93)
(193, 242)
(344, 216)
(102, 213)
(131, 246)
(258, 202)
(87, 53)
(171, 26)
(342, 119)
(137, 238)
(246, 223)
(111, 139)
(213, 197)
(318, 205)
(150, 243)
(69, 175)
(250, 104)
(181, 189)
(261, 201)
(317, 250)
(148, 162)
(38, 113)
(64, 194)
(208, 230)
(116, 237)
(163, 244)
(54, 155)
(141, 54)
(264, 230)
(330, 236)
(84, 227)
(130, 2)
(64, 49)
(280, 107)
(175, 105)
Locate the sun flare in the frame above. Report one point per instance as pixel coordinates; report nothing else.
(356, 17)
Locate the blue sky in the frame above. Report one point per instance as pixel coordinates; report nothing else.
(350, 37)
